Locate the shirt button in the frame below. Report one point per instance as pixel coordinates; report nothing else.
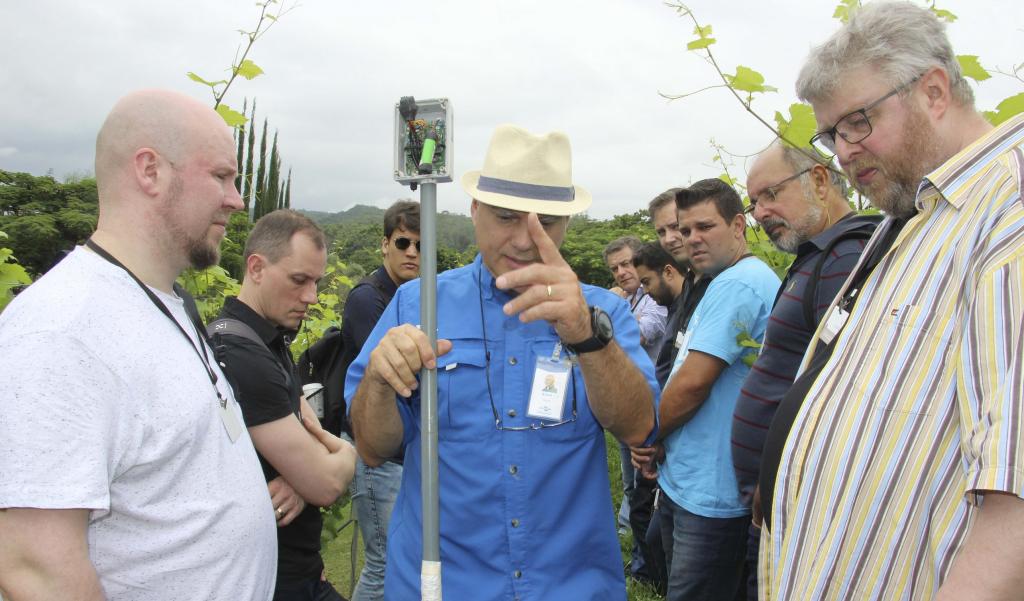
(515, 523)
(517, 574)
(512, 361)
(513, 470)
(511, 412)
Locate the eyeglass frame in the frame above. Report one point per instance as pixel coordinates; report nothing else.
(402, 243)
(498, 424)
(818, 140)
(774, 189)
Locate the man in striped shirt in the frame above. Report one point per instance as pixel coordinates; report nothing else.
(902, 473)
(802, 206)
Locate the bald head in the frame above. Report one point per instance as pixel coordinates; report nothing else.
(165, 171)
(167, 122)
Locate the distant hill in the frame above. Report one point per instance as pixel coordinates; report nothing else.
(357, 214)
(355, 234)
(454, 230)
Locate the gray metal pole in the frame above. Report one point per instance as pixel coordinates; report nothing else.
(430, 570)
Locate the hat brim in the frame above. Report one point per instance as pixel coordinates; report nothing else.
(580, 202)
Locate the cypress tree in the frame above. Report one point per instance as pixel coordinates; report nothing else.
(261, 175)
(273, 179)
(288, 190)
(247, 192)
(240, 134)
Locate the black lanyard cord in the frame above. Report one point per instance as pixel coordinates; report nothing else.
(167, 312)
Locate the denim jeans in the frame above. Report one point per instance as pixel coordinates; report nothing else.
(628, 485)
(705, 556)
(753, 550)
(373, 497)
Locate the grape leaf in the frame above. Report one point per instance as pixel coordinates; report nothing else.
(971, 67)
(700, 43)
(798, 129)
(249, 69)
(748, 80)
(1007, 108)
(231, 116)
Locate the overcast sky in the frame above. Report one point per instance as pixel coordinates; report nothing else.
(334, 71)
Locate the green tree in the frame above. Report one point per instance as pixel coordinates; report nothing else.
(12, 275)
(44, 217)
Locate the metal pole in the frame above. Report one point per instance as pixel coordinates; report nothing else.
(430, 569)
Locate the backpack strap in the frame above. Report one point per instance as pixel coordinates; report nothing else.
(234, 327)
(811, 288)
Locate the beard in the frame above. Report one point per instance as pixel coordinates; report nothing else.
(199, 250)
(894, 188)
(790, 236)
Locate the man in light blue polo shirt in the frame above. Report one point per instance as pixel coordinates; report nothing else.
(704, 523)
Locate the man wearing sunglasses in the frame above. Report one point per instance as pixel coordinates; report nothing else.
(525, 509)
(374, 488)
(801, 204)
(900, 477)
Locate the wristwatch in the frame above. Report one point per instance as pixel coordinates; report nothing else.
(603, 332)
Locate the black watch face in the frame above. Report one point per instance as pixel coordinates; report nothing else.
(602, 326)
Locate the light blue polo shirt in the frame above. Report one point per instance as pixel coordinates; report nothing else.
(698, 474)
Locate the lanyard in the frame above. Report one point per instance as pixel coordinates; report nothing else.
(636, 302)
(167, 312)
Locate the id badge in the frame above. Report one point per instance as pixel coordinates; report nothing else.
(548, 392)
(834, 323)
(232, 421)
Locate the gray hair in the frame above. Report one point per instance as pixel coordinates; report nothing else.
(900, 39)
(800, 161)
(631, 242)
(668, 196)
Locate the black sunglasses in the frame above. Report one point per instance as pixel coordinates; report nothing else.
(403, 243)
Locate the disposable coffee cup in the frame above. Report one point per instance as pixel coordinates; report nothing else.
(314, 393)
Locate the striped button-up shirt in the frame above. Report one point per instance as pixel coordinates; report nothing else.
(921, 403)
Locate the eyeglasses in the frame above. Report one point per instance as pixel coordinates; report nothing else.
(402, 243)
(853, 127)
(773, 191)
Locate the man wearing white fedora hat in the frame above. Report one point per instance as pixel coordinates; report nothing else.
(525, 506)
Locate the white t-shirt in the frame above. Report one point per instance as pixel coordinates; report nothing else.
(105, 406)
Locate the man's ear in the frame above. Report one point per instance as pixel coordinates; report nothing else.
(935, 86)
(820, 181)
(255, 267)
(739, 226)
(149, 169)
(383, 246)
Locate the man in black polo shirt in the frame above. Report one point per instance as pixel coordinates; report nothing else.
(375, 488)
(802, 207)
(306, 467)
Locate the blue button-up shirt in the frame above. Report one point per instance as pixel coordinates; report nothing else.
(524, 514)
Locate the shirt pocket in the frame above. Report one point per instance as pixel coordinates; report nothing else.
(584, 425)
(464, 406)
(905, 358)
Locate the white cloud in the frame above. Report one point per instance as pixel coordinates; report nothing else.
(335, 69)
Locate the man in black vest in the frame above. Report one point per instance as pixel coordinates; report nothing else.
(285, 257)
(374, 488)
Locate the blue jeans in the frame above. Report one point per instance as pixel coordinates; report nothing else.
(373, 497)
(705, 556)
(628, 484)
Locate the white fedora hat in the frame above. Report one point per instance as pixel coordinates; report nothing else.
(527, 172)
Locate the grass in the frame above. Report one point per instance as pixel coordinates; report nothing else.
(337, 553)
